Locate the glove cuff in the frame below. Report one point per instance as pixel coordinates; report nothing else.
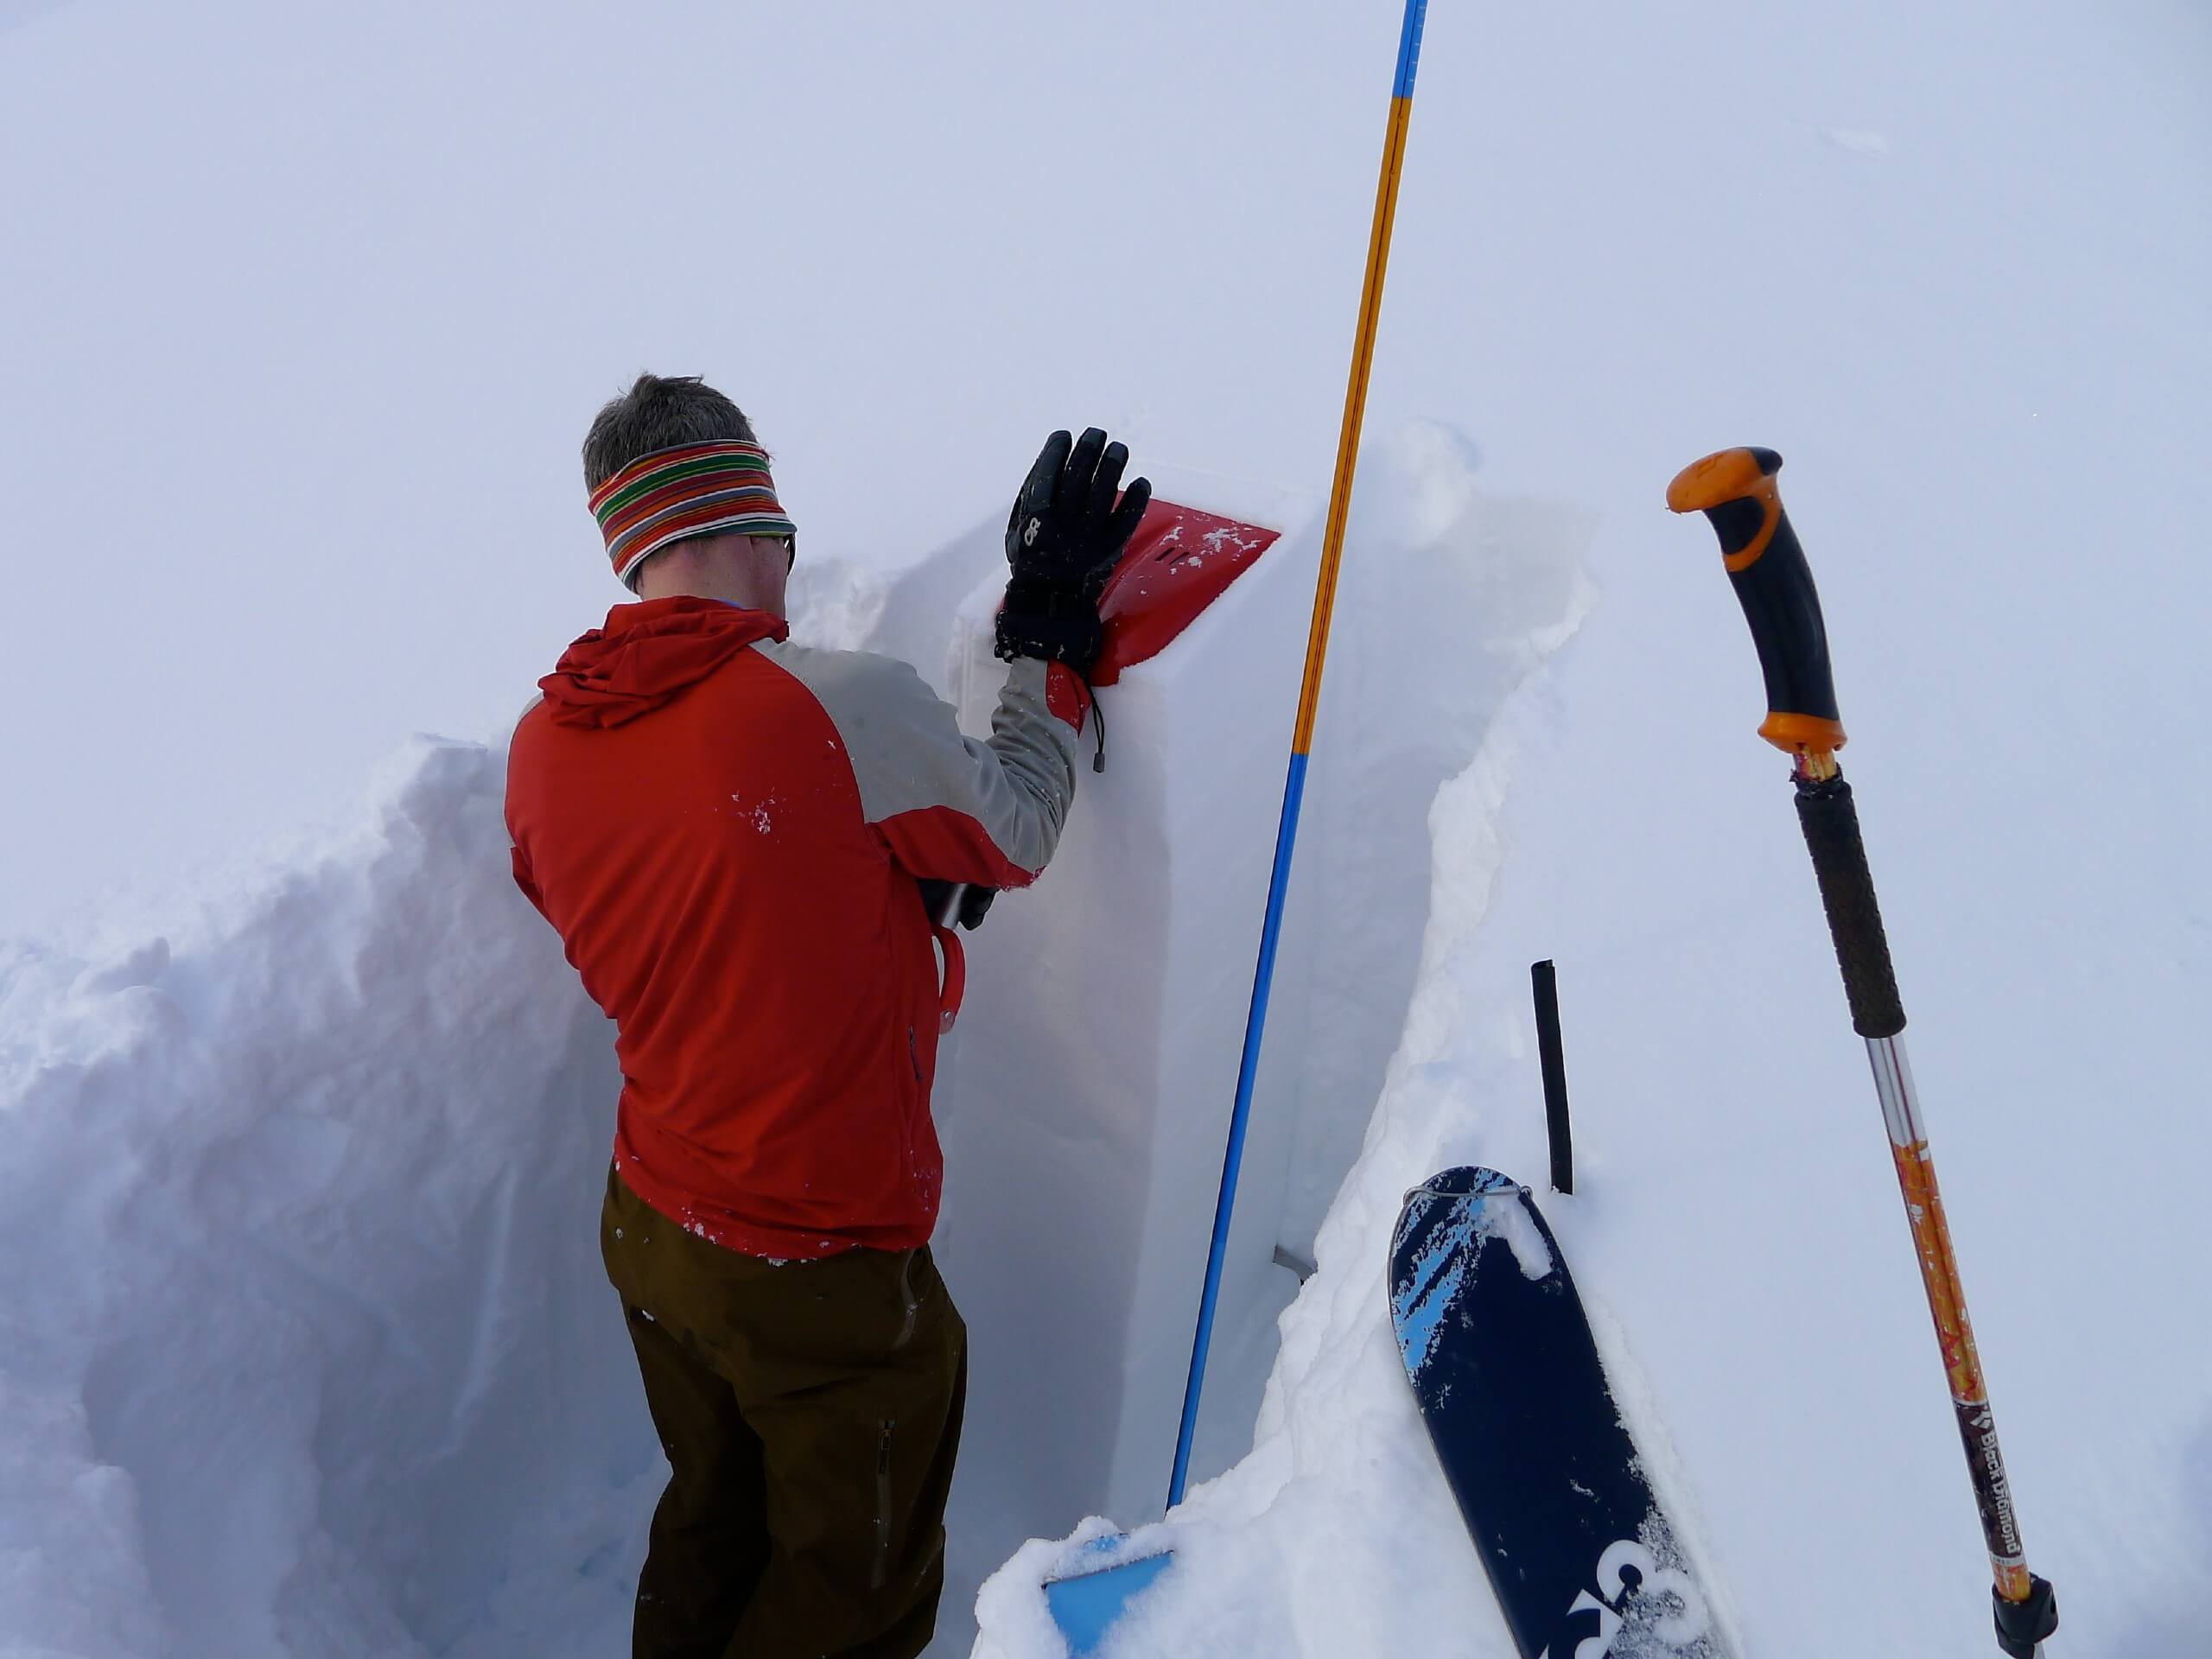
(1068, 631)
(1048, 597)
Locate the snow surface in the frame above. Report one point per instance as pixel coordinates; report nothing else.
(303, 1348)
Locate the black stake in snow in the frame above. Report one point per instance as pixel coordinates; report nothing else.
(1553, 1053)
(1736, 490)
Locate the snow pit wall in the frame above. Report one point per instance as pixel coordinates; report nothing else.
(1452, 601)
(1084, 1101)
(307, 1349)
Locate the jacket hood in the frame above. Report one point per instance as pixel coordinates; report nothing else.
(646, 654)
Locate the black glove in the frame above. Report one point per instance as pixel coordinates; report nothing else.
(974, 901)
(1063, 539)
(975, 904)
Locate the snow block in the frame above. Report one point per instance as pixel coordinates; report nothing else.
(1085, 1105)
(1083, 1101)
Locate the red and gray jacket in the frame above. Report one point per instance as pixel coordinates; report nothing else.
(726, 831)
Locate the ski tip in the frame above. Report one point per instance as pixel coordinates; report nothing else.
(1465, 1180)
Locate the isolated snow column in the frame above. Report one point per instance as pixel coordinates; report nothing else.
(1100, 1022)
(1736, 490)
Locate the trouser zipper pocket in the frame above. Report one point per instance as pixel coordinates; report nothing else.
(914, 1053)
(882, 1573)
(912, 1303)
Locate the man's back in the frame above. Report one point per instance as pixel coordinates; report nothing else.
(729, 832)
(716, 821)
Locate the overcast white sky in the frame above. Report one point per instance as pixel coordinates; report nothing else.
(304, 310)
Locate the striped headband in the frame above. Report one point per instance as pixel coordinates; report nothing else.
(692, 489)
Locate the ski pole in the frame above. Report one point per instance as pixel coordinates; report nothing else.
(1736, 490)
(1309, 695)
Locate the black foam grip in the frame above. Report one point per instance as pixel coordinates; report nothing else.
(1783, 608)
(1862, 949)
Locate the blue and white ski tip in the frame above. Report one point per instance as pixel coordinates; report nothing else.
(1437, 1253)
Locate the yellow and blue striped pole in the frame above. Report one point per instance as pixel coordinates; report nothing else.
(1309, 699)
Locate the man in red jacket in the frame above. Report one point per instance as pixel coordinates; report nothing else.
(730, 832)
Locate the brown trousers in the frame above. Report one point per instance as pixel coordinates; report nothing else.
(810, 1414)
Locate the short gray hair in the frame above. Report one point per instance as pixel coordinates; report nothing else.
(659, 412)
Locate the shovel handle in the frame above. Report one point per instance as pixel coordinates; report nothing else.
(1736, 489)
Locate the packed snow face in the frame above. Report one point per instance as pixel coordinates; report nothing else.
(1085, 1111)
